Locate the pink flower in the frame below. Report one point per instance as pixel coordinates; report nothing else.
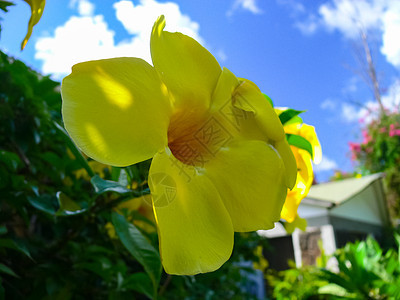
(367, 137)
(355, 149)
(393, 131)
(382, 130)
(396, 132)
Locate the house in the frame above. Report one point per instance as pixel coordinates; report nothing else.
(336, 212)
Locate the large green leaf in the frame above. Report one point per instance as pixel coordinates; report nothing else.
(45, 203)
(10, 159)
(288, 115)
(15, 245)
(300, 142)
(336, 290)
(139, 282)
(101, 186)
(140, 248)
(7, 270)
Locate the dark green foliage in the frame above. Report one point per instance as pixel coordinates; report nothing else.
(54, 242)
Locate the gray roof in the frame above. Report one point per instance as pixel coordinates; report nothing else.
(337, 192)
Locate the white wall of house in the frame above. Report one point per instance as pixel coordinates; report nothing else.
(310, 211)
(363, 207)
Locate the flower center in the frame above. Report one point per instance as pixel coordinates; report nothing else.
(185, 138)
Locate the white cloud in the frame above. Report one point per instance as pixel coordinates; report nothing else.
(328, 104)
(295, 6)
(88, 37)
(308, 26)
(85, 8)
(351, 85)
(138, 20)
(351, 113)
(249, 5)
(349, 17)
(391, 34)
(370, 110)
(221, 55)
(326, 164)
(390, 100)
(79, 39)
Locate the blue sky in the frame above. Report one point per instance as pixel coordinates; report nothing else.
(300, 53)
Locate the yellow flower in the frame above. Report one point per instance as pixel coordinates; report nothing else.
(305, 175)
(221, 162)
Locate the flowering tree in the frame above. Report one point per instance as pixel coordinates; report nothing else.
(379, 151)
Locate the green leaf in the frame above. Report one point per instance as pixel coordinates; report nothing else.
(295, 120)
(7, 270)
(335, 290)
(10, 159)
(4, 5)
(139, 282)
(115, 171)
(67, 205)
(15, 245)
(139, 247)
(101, 186)
(45, 203)
(288, 115)
(3, 230)
(300, 142)
(269, 99)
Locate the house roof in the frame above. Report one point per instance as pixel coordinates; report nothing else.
(337, 192)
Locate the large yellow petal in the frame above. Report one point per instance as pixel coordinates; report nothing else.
(186, 67)
(116, 110)
(243, 112)
(250, 177)
(195, 230)
(248, 97)
(236, 122)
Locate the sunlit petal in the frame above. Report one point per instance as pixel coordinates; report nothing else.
(116, 110)
(195, 230)
(249, 98)
(250, 177)
(303, 183)
(186, 67)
